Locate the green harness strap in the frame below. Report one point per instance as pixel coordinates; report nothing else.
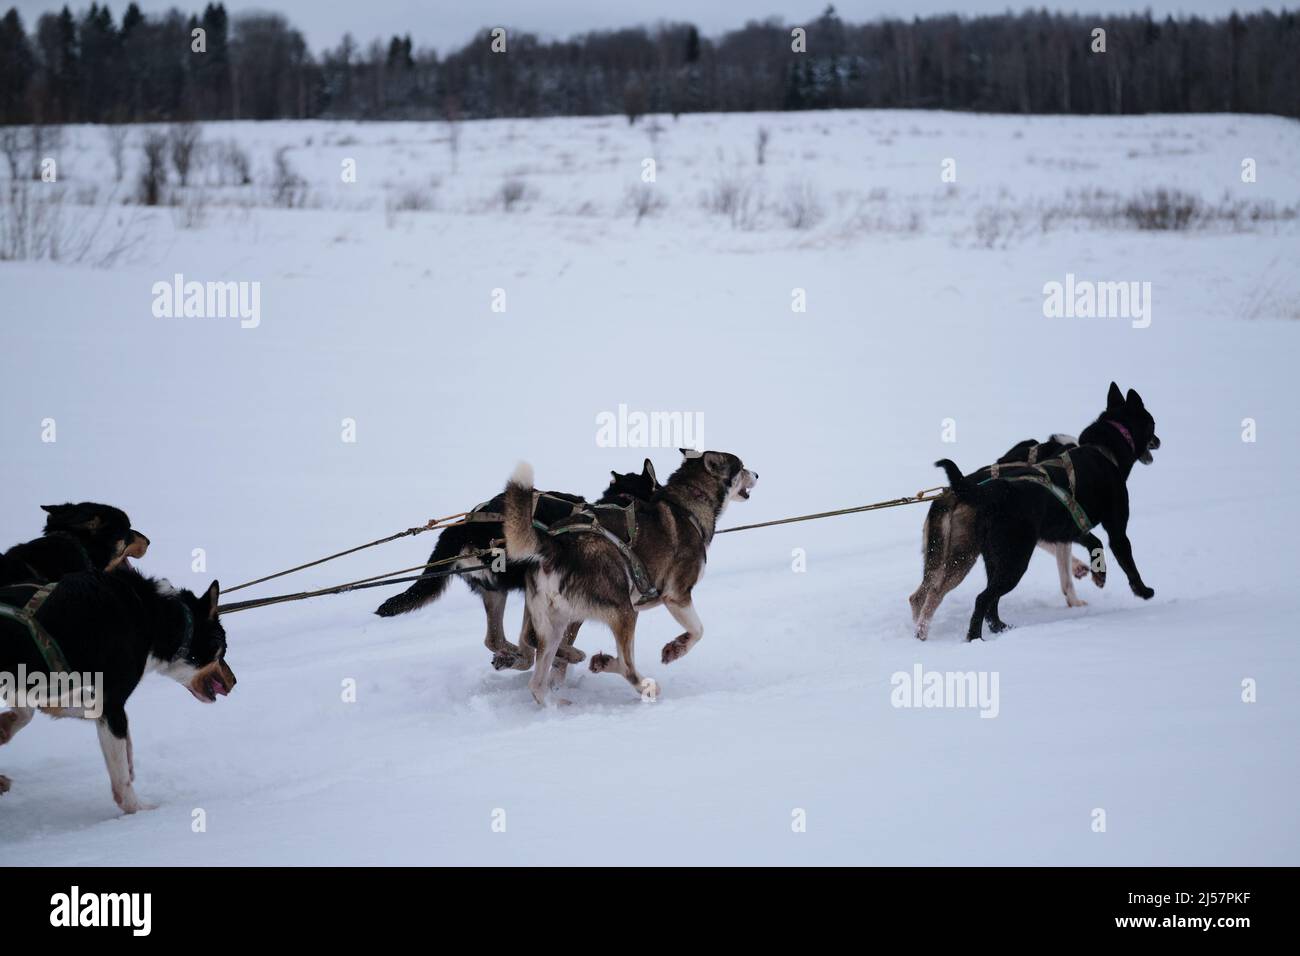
(45, 643)
(635, 567)
(1064, 497)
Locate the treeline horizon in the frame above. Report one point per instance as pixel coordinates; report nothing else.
(90, 67)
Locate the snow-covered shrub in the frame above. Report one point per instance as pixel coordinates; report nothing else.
(801, 208)
(288, 189)
(644, 199)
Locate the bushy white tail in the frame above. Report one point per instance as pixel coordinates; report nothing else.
(522, 539)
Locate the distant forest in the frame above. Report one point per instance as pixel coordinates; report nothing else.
(90, 67)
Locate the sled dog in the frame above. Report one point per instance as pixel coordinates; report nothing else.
(571, 578)
(1012, 514)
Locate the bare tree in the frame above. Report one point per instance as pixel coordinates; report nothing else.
(633, 100)
(182, 141)
(760, 144)
(153, 174)
(13, 143)
(288, 189)
(45, 141)
(451, 114)
(117, 136)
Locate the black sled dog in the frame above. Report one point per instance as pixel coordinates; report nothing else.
(81, 537)
(1012, 514)
(948, 537)
(106, 631)
(493, 584)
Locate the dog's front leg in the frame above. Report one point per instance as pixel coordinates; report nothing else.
(1096, 558)
(684, 614)
(1061, 551)
(115, 742)
(12, 721)
(1119, 544)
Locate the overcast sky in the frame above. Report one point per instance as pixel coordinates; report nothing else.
(446, 24)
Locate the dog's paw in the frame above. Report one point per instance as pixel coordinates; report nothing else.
(1144, 592)
(648, 688)
(5, 783)
(675, 648)
(504, 660)
(545, 700)
(1075, 601)
(600, 662)
(570, 655)
(129, 803)
(997, 627)
(1099, 578)
(1079, 569)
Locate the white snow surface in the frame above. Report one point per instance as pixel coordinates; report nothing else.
(228, 439)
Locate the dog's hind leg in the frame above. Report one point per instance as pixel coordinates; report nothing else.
(950, 575)
(1005, 564)
(624, 628)
(12, 721)
(1061, 551)
(684, 614)
(494, 606)
(929, 571)
(550, 628)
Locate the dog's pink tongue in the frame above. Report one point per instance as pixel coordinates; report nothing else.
(219, 688)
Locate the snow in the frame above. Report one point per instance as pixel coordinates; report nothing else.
(228, 439)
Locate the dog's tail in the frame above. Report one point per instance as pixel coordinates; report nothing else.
(422, 592)
(962, 487)
(522, 539)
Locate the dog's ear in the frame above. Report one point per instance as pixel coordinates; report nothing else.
(690, 452)
(1114, 398)
(214, 593)
(54, 509)
(716, 463)
(648, 470)
(1135, 400)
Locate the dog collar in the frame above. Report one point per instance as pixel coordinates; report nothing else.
(1123, 431)
(186, 649)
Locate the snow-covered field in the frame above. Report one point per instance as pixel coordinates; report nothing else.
(924, 304)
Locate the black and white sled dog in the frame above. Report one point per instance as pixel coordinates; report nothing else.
(493, 586)
(1012, 515)
(118, 626)
(571, 578)
(81, 537)
(948, 538)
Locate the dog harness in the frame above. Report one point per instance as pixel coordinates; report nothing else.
(569, 514)
(1039, 474)
(45, 643)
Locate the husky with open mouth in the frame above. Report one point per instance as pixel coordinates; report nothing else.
(118, 625)
(573, 578)
(493, 585)
(81, 537)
